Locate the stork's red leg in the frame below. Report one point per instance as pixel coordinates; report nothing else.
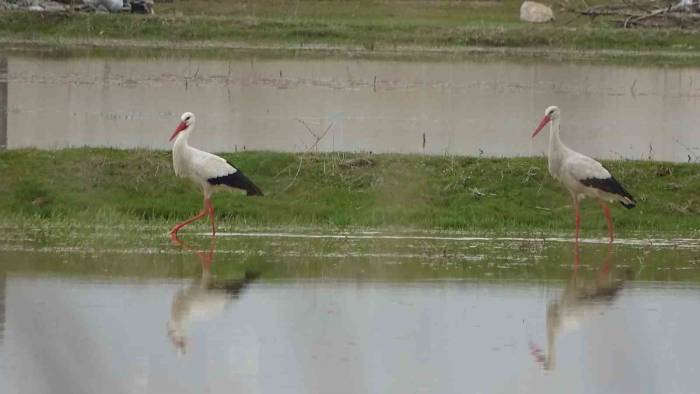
(578, 219)
(177, 227)
(210, 208)
(606, 209)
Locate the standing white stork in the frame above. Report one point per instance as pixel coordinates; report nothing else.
(208, 171)
(581, 175)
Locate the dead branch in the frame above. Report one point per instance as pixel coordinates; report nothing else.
(635, 13)
(301, 160)
(318, 138)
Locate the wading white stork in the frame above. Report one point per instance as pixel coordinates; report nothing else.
(208, 171)
(581, 175)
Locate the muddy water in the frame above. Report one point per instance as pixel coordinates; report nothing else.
(460, 107)
(3, 102)
(271, 314)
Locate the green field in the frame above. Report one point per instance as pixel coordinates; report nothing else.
(364, 26)
(339, 191)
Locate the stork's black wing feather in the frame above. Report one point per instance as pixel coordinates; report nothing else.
(610, 185)
(237, 180)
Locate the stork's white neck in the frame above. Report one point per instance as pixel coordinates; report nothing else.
(181, 151)
(182, 139)
(555, 143)
(557, 149)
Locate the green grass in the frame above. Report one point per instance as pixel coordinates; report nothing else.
(368, 25)
(105, 186)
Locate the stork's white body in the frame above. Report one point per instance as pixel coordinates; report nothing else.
(570, 168)
(197, 165)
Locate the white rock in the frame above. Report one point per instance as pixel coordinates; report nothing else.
(532, 11)
(54, 6)
(109, 5)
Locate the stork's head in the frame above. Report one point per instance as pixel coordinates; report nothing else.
(186, 122)
(551, 113)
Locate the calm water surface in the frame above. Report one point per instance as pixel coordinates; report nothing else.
(459, 107)
(272, 315)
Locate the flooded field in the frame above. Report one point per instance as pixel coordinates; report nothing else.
(297, 104)
(348, 313)
(117, 309)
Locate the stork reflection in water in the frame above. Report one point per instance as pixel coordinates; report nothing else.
(583, 300)
(206, 298)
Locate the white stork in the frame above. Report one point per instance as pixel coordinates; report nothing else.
(208, 171)
(581, 175)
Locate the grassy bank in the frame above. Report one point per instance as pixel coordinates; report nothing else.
(94, 186)
(363, 25)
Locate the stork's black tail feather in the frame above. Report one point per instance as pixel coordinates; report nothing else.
(237, 180)
(629, 205)
(612, 186)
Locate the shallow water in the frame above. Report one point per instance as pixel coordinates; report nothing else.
(413, 314)
(455, 107)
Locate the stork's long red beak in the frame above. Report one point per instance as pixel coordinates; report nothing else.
(543, 123)
(177, 131)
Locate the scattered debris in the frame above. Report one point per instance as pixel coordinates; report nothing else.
(359, 162)
(642, 13)
(663, 171)
(133, 6)
(673, 186)
(40, 202)
(531, 11)
(531, 172)
(477, 194)
(33, 5)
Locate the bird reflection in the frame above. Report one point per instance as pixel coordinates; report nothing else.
(583, 299)
(204, 299)
(3, 285)
(4, 104)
